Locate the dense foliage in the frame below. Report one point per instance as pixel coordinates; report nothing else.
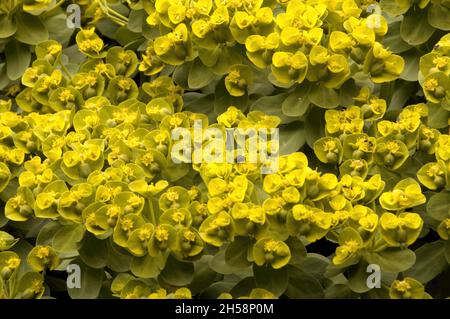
(360, 93)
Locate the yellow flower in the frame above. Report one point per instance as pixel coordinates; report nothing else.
(43, 252)
(350, 245)
(287, 67)
(13, 262)
(66, 96)
(400, 230)
(161, 234)
(444, 229)
(408, 288)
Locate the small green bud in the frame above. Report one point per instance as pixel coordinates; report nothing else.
(332, 157)
(357, 154)
(250, 227)
(112, 222)
(269, 257)
(425, 145)
(85, 169)
(90, 92)
(313, 191)
(389, 159)
(401, 236)
(120, 68)
(377, 68)
(197, 220)
(222, 234)
(162, 148)
(31, 146)
(6, 273)
(154, 168)
(186, 246)
(439, 92)
(25, 210)
(439, 181)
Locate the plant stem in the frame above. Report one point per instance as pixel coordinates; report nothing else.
(152, 211)
(65, 70)
(112, 14)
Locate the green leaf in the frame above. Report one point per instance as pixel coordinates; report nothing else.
(357, 277)
(93, 251)
(147, 266)
(403, 91)
(292, 137)
(214, 290)
(347, 92)
(430, 262)
(324, 97)
(437, 116)
(8, 26)
(438, 206)
(67, 237)
(439, 16)
(227, 57)
(415, 28)
(273, 280)
(125, 36)
(218, 264)
(340, 291)
(47, 232)
(303, 285)
(392, 259)
(243, 287)
(298, 251)
(394, 8)
(91, 282)
(136, 20)
(177, 273)
(393, 40)
(297, 103)
(32, 227)
(18, 58)
(261, 87)
(119, 261)
(181, 73)
(200, 103)
(56, 32)
(237, 251)
(204, 276)
(315, 265)
(74, 55)
(199, 75)
(107, 27)
(271, 105)
(314, 125)
(411, 70)
(30, 29)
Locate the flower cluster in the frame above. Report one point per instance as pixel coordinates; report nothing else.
(435, 71)
(291, 45)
